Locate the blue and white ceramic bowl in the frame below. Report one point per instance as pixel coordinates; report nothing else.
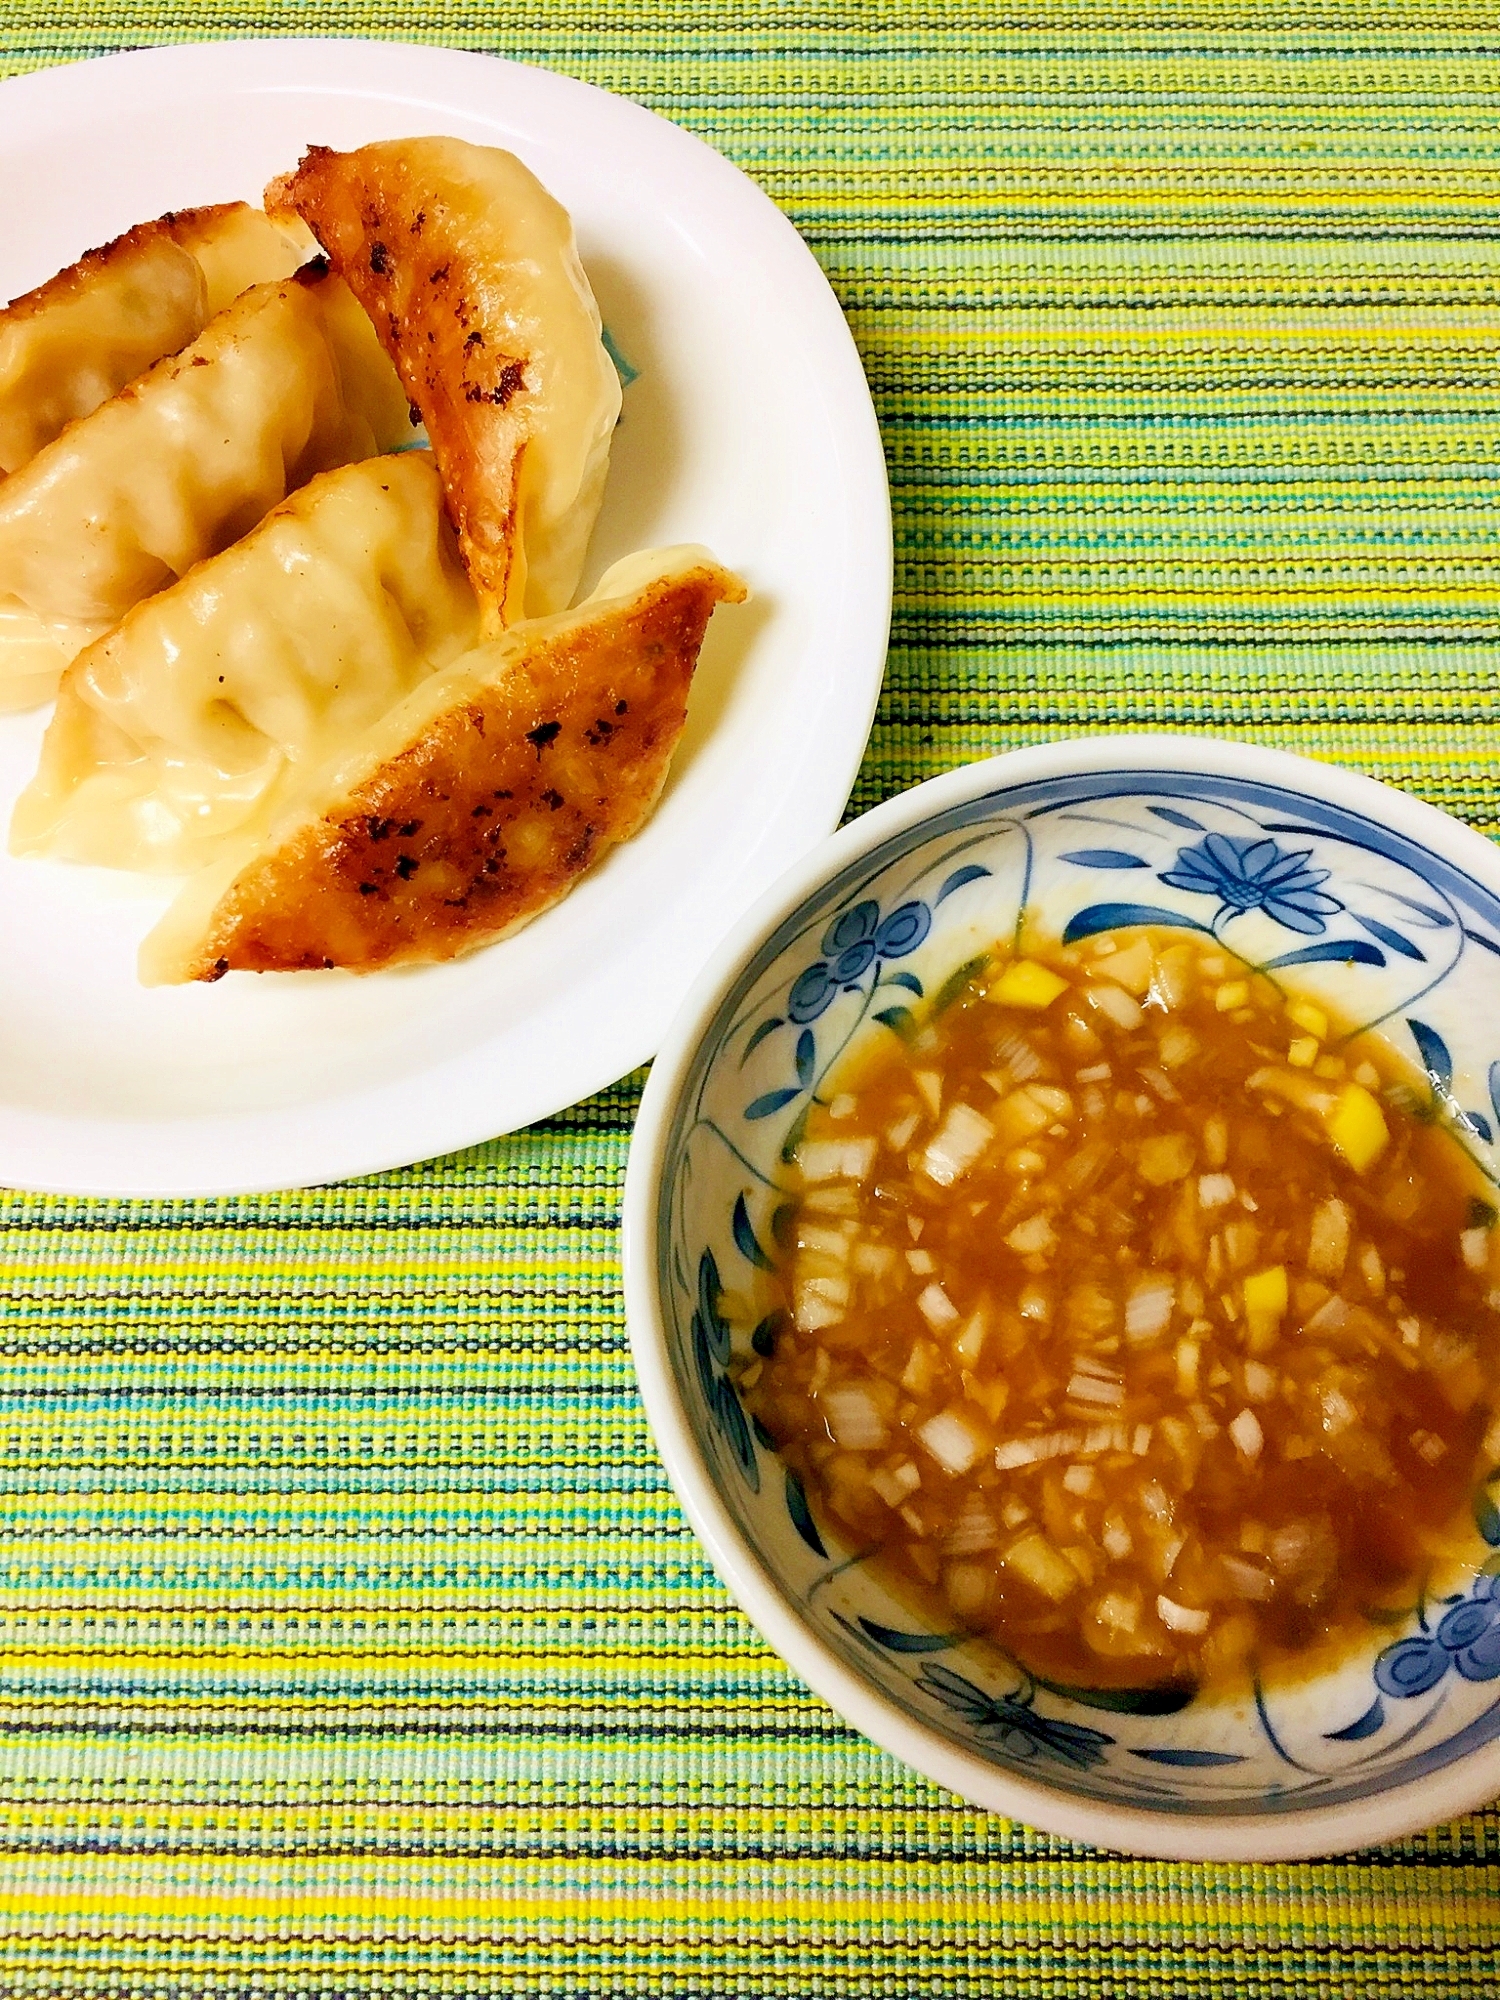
(1367, 899)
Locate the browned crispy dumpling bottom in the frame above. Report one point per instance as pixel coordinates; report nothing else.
(481, 801)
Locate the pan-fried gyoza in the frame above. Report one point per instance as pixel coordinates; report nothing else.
(186, 725)
(287, 382)
(330, 677)
(75, 341)
(470, 274)
(477, 802)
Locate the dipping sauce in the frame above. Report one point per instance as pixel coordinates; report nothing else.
(1135, 1317)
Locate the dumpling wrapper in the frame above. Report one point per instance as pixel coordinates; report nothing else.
(237, 246)
(477, 802)
(287, 382)
(75, 341)
(469, 270)
(184, 727)
(35, 652)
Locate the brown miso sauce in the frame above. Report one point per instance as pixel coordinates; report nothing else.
(1134, 1318)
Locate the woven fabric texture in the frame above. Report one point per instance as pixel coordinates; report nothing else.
(351, 1642)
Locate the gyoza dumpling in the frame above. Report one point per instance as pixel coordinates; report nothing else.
(188, 721)
(469, 270)
(75, 341)
(34, 652)
(477, 802)
(289, 381)
(237, 246)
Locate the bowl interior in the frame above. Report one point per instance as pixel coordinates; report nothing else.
(1337, 905)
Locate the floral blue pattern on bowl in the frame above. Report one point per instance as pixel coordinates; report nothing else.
(1311, 892)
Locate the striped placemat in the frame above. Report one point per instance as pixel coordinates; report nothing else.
(351, 1643)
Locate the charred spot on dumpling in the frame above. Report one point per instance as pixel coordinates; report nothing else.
(552, 799)
(542, 735)
(380, 259)
(406, 866)
(512, 379)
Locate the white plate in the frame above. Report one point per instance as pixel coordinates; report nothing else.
(750, 429)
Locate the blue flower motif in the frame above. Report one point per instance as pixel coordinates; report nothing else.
(811, 992)
(1481, 1660)
(1464, 1624)
(1255, 875)
(903, 930)
(853, 964)
(1015, 1722)
(851, 945)
(1410, 1667)
(1467, 1639)
(851, 927)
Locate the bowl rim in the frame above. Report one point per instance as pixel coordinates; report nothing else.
(1297, 1834)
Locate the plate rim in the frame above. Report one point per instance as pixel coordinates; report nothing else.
(213, 1153)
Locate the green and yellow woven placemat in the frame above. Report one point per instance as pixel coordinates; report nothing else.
(351, 1642)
